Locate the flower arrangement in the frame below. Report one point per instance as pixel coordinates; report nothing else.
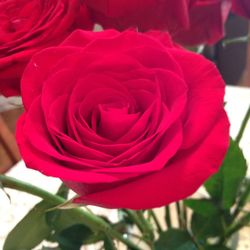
(130, 117)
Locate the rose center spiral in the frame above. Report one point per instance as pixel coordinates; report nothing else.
(112, 120)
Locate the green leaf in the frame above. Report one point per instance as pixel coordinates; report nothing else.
(30, 231)
(175, 239)
(224, 186)
(73, 237)
(204, 227)
(109, 244)
(63, 191)
(60, 220)
(245, 193)
(63, 220)
(203, 207)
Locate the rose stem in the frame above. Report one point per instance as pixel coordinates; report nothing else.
(178, 209)
(138, 222)
(243, 126)
(182, 214)
(133, 216)
(156, 221)
(90, 220)
(147, 227)
(242, 201)
(168, 217)
(242, 222)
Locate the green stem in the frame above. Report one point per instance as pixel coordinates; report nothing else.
(156, 221)
(139, 222)
(184, 214)
(242, 201)
(147, 227)
(92, 221)
(243, 126)
(133, 216)
(198, 246)
(244, 221)
(168, 217)
(178, 209)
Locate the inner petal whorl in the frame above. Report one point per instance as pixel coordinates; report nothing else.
(115, 121)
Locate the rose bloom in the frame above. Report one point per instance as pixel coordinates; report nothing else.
(207, 21)
(241, 7)
(191, 22)
(28, 26)
(127, 120)
(145, 15)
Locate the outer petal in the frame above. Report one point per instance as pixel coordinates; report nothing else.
(47, 159)
(241, 7)
(205, 95)
(207, 20)
(176, 181)
(80, 38)
(38, 70)
(114, 8)
(26, 27)
(11, 68)
(150, 14)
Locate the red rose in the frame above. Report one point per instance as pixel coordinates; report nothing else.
(144, 14)
(241, 7)
(190, 22)
(207, 20)
(28, 26)
(126, 120)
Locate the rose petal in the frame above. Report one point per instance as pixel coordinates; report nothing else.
(190, 169)
(33, 76)
(47, 160)
(202, 109)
